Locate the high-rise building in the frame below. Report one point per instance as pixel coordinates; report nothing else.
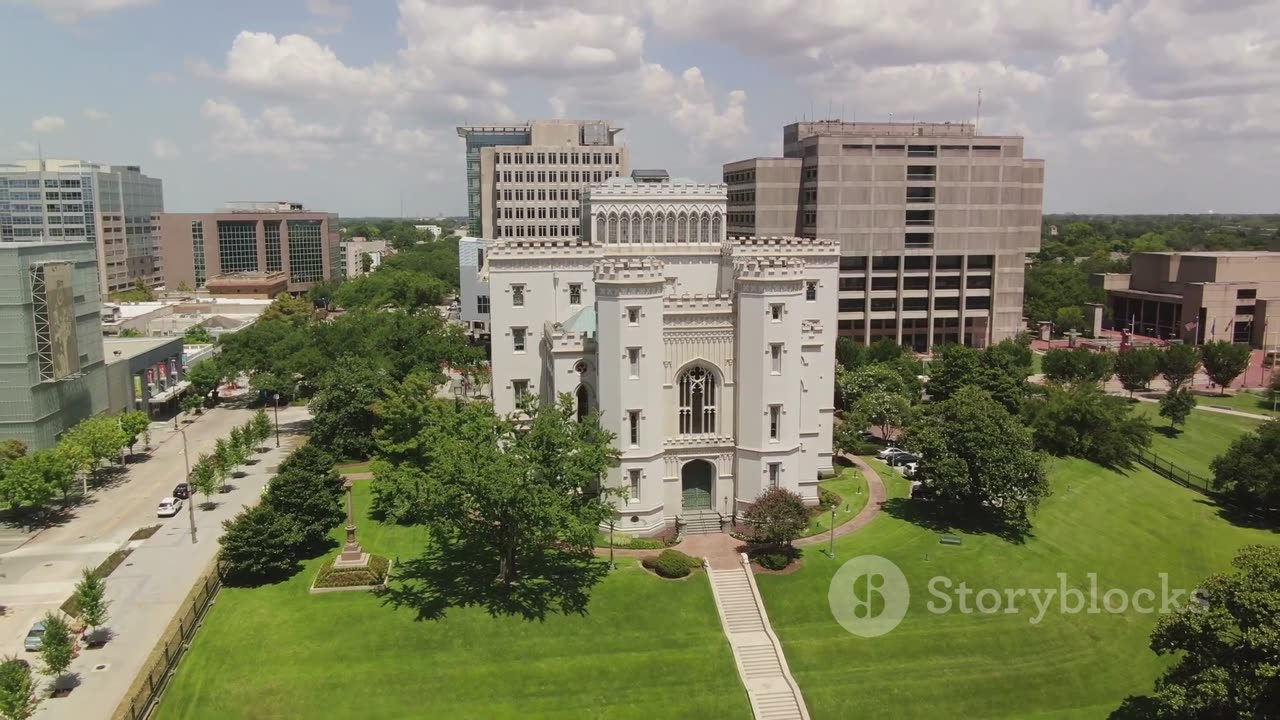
(255, 249)
(52, 374)
(526, 181)
(934, 223)
(473, 287)
(71, 200)
(655, 320)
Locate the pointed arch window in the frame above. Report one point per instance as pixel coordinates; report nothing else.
(705, 235)
(602, 235)
(698, 393)
(613, 229)
(716, 234)
(635, 228)
(626, 228)
(671, 227)
(648, 228)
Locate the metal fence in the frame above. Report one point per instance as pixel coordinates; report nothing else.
(163, 662)
(1176, 473)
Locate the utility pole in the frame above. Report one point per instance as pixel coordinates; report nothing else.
(191, 506)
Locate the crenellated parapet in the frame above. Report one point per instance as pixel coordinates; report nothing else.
(511, 249)
(769, 268)
(559, 339)
(606, 191)
(629, 270)
(817, 252)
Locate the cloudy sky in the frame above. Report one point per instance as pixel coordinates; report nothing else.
(350, 105)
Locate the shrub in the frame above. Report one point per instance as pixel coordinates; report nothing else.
(778, 516)
(828, 499)
(773, 560)
(672, 564)
(374, 574)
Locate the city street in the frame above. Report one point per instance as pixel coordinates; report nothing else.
(40, 570)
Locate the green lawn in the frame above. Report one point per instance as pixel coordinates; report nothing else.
(355, 466)
(645, 648)
(1036, 361)
(1127, 528)
(851, 486)
(1259, 403)
(1204, 436)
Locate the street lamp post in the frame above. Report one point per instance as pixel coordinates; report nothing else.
(277, 419)
(191, 507)
(831, 548)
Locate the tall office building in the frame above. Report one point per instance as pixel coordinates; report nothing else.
(72, 200)
(526, 181)
(257, 249)
(934, 223)
(52, 374)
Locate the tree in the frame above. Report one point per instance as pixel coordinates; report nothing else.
(1001, 370)
(1176, 405)
(885, 410)
(1051, 285)
(366, 263)
(1224, 650)
(1225, 361)
(260, 544)
(261, 427)
(1137, 367)
(515, 485)
(205, 478)
(30, 483)
(183, 287)
(197, 335)
(308, 490)
(1069, 319)
(226, 457)
(205, 377)
(978, 458)
(343, 416)
(18, 699)
(954, 366)
(777, 517)
(134, 423)
(193, 404)
(399, 493)
(11, 450)
(1078, 365)
(1178, 365)
(58, 648)
(91, 596)
(1083, 421)
(131, 333)
(850, 354)
(1250, 468)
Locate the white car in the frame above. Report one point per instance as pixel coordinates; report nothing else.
(889, 452)
(909, 470)
(168, 507)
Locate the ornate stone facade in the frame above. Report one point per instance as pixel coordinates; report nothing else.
(711, 360)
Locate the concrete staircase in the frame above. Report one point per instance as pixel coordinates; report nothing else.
(701, 522)
(772, 691)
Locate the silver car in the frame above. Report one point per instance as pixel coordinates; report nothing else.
(35, 638)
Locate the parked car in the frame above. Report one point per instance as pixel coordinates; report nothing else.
(889, 452)
(168, 507)
(902, 459)
(35, 638)
(921, 491)
(909, 470)
(182, 491)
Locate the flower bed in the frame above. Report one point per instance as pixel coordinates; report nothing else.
(371, 576)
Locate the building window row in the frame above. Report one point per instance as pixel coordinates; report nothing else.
(541, 194)
(521, 231)
(551, 158)
(542, 213)
(742, 218)
(564, 176)
(626, 228)
(744, 196)
(740, 177)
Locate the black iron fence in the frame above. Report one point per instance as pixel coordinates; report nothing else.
(175, 642)
(1176, 473)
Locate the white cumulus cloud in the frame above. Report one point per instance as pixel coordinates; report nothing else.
(48, 123)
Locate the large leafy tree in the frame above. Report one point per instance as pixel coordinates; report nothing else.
(343, 410)
(518, 485)
(1083, 421)
(30, 483)
(135, 424)
(1001, 370)
(260, 544)
(887, 411)
(1226, 650)
(18, 699)
(1053, 285)
(1078, 365)
(205, 377)
(954, 367)
(978, 458)
(308, 490)
(1224, 361)
(1178, 365)
(1137, 367)
(406, 291)
(1250, 468)
(777, 517)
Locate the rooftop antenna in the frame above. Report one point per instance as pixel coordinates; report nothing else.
(978, 120)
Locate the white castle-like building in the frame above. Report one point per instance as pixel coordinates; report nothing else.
(712, 360)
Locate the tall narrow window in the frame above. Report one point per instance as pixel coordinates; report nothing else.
(482, 304)
(517, 339)
(633, 359)
(633, 425)
(697, 401)
(633, 492)
(520, 388)
(517, 296)
(775, 358)
(811, 291)
(633, 316)
(575, 293)
(775, 312)
(775, 474)
(775, 422)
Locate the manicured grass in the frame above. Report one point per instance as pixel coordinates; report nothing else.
(1036, 361)
(851, 486)
(644, 648)
(1205, 436)
(355, 466)
(1251, 402)
(1125, 527)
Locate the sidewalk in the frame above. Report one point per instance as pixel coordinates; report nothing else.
(148, 589)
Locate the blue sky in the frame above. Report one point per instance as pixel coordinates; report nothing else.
(1136, 105)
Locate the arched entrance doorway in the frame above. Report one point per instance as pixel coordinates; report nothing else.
(695, 483)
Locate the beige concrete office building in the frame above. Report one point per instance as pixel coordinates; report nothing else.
(249, 248)
(1198, 296)
(526, 181)
(934, 223)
